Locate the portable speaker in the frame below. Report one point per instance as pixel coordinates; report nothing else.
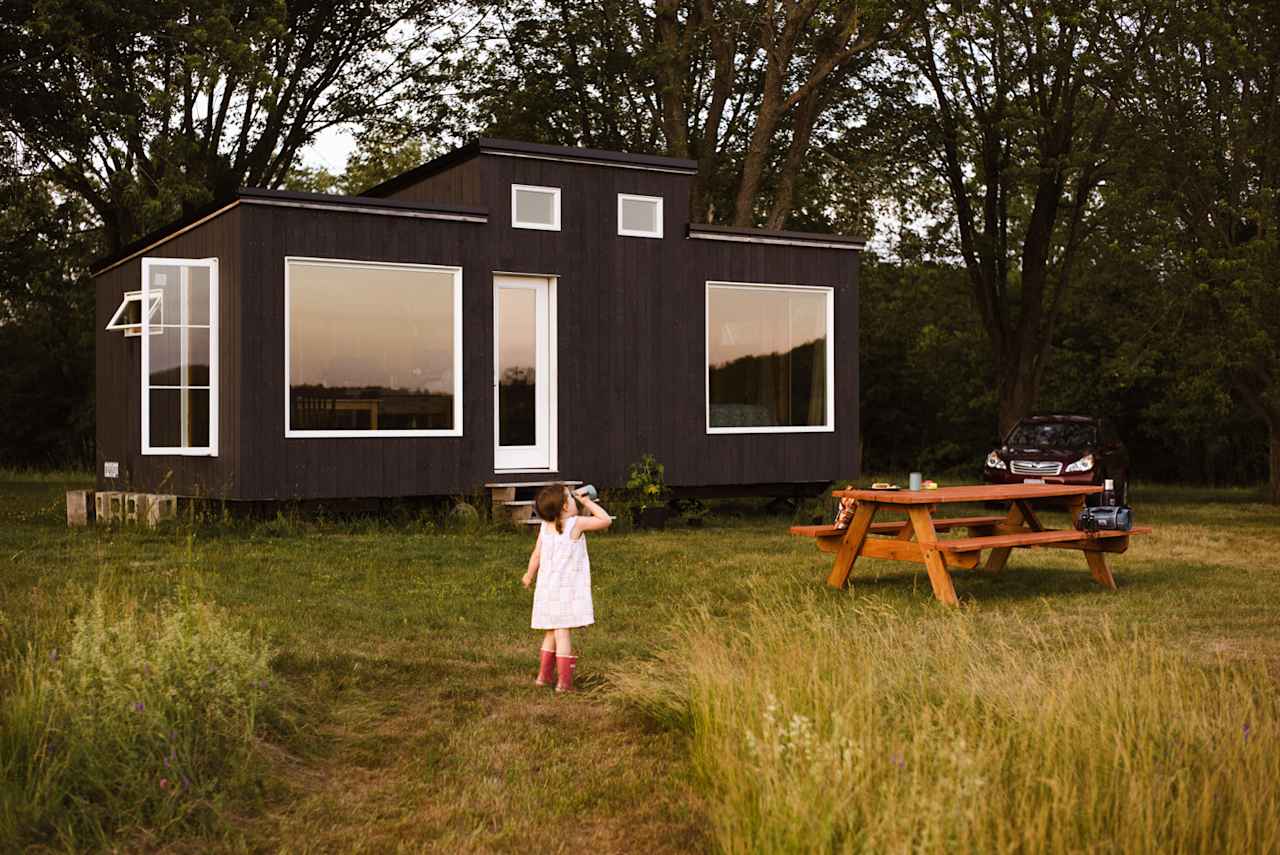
(1105, 518)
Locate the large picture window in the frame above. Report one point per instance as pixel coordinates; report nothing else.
(372, 349)
(770, 359)
(179, 356)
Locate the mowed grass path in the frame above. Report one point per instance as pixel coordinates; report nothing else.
(409, 661)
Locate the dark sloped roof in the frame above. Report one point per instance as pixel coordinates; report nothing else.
(287, 198)
(515, 148)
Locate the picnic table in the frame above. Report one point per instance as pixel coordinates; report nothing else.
(916, 537)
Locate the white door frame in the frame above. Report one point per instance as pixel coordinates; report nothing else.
(540, 457)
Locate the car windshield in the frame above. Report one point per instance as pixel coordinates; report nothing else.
(1071, 435)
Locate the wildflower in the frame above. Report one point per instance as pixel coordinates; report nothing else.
(138, 706)
(53, 655)
(1246, 731)
(164, 783)
(898, 760)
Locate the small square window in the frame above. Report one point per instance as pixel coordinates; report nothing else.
(639, 216)
(535, 207)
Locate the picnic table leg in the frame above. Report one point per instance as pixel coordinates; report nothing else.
(999, 557)
(1098, 567)
(939, 578)
(859, 527)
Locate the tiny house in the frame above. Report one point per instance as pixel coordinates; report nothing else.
(507, 312)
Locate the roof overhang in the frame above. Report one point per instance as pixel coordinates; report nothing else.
(735, 234)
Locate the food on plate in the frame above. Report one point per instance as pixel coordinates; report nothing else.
(883, 485)
(930, 485)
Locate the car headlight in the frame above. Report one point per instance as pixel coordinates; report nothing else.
(1084, 464)
(994, 461)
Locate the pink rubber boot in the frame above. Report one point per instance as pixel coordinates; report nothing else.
(546, 666)
(565, 666)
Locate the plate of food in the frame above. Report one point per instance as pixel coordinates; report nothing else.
(884, 485)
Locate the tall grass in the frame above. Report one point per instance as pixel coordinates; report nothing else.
(139, 721)
(823, 728)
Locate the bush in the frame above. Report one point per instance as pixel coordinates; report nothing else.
(824, 729)
(144, 722)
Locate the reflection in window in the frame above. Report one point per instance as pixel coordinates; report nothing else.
(767, 357)
(178, 352)
(517, 358)
(372, 348)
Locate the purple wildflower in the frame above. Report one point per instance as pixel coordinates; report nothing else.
(139, 706)
(1246, 731)
(898, 760)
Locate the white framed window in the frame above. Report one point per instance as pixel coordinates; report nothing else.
(770, 353)
(639, 216)
(128, 315)
(179, 356)
(535, 207)
(372, 349)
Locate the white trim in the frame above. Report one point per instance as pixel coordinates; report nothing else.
(631, 197)
(830, 425)
(210, 450)
(456, 430)
(777, 241)
(554, 226)
(546, 348)
(133, 330)
(587, 161)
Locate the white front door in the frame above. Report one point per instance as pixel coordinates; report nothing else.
(523, 372)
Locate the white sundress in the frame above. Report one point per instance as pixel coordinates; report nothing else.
(562, 597)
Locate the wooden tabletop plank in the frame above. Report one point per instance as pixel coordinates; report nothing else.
(970, 493)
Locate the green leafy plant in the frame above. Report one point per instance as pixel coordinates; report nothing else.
(646, 483)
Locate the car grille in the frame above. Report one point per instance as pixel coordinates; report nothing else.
(1037, 468)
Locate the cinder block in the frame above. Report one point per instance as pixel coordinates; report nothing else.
(79, 507)
(160, 508)
(108, 507)
(135, 507)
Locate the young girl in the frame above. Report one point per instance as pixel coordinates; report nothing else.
(562, 599)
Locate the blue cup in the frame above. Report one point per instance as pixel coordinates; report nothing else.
(917, 481)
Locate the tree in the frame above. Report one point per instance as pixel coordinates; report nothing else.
(148, 108)
(740, 87)
(1208, 103)
(1022, 118)
(46, 326)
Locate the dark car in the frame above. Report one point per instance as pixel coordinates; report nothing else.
(1061, 450)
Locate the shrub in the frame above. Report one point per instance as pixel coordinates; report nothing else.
(144, 722)
(824, 729)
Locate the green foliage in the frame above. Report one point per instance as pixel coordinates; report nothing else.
(46, 326)
(646, 483)
(142, 720)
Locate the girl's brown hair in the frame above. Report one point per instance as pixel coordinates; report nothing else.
(549, 502)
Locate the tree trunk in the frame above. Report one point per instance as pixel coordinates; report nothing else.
(1018, 390)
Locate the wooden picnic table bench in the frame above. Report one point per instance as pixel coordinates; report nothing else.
(915, 538)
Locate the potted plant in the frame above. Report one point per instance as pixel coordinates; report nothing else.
(647, 491)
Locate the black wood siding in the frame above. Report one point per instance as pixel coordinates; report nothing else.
(119, 381)
(631, 343)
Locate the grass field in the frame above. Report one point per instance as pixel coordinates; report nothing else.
(732, 702)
